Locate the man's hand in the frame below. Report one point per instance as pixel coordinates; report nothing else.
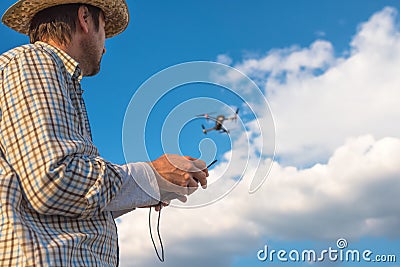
(178, 176)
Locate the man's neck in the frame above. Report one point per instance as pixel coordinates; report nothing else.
(70, 49)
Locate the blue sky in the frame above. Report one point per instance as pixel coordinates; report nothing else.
(329, 70)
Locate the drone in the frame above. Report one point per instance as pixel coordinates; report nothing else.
(219, 120)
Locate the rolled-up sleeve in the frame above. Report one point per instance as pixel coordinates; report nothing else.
(139, 189)
(44, 138)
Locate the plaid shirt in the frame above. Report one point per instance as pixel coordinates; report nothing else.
(54, 187)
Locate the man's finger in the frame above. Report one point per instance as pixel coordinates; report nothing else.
(201, 177)
(192, 186)
(167, 197)
(198, 163)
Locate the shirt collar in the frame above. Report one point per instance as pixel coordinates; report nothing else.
(71, 64)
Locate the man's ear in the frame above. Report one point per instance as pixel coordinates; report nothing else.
(83, 15)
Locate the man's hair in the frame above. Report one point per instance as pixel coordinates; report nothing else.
(58, 23)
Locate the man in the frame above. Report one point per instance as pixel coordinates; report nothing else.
(58, 197)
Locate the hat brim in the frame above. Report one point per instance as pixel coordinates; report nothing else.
(18, 17)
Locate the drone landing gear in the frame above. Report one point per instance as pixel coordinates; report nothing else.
(204, 129)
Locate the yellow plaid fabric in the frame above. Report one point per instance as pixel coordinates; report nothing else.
(53, 184)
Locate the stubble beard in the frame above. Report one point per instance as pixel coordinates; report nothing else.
(91, 60)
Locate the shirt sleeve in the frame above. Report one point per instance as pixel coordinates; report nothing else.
(139, 189)
(59, 169)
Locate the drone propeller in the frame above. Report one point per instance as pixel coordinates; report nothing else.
(205, 114)
(236, 114)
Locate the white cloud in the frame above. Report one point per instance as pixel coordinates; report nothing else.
(340, 113)
(224, 59)
(318, 100)
(355, 194)
(320, 33)
(292, 60)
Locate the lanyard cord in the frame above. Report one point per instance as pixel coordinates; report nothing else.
(161, 258)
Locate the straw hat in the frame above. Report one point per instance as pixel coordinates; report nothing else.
(18, 17)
